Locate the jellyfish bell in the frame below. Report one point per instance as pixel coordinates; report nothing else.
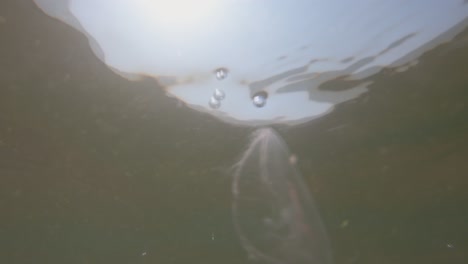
(273, 212)
(273, 62)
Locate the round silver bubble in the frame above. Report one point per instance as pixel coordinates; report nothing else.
(260, 99)
(221, 73)
(219, 94)
(214, 103)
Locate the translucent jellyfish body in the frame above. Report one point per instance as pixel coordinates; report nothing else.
(273, 211)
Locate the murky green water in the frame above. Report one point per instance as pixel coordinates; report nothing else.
(96, 169)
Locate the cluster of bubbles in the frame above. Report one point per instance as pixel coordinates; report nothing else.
(218, 95)
(216, 98)
(259, 99)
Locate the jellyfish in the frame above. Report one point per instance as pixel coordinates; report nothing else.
(263, 64)
(273, 212)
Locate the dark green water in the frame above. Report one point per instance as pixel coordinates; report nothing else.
(97, 169)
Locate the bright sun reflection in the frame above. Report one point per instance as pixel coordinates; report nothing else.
(180, 14)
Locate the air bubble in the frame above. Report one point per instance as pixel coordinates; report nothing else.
(221, 73)
(219, 94)
(259, 99)
(214, 103)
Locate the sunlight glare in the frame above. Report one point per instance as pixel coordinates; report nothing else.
(180, 14)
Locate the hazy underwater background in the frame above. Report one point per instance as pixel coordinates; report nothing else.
(97, 169)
